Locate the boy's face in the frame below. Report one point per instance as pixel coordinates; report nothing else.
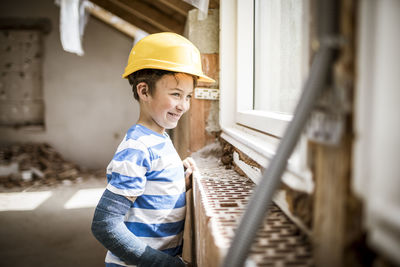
(170, 100)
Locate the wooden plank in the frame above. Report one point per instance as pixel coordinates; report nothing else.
(210, 65)
(178, 5)
(189, 249)
(170, 12)
(198, 118)
(150, 15)
(190, 135)
(113, 20)
(125, 15)
(213, 4)
(181, 136)
(337, 219)
(332, 169)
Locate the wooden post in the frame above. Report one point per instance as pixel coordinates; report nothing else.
(332, 170)
(337, 212)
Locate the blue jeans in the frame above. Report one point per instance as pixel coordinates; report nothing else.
(109, 229)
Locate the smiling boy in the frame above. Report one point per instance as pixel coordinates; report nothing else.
(163, 108)
(140, 217)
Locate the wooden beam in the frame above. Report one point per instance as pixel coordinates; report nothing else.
(337, 225)
(332, 182)
(167, 10)
(113, 20)
(150, 15)
(125, 15)
(178, 5)
(214, 4)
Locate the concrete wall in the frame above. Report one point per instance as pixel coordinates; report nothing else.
(88, 106)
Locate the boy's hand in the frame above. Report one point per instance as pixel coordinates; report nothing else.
(190, 166)
(187, 264)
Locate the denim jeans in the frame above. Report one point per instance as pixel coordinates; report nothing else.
(109, 229)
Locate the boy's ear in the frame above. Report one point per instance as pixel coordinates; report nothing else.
(142, 90)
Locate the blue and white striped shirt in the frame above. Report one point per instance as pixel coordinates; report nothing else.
(147, 166)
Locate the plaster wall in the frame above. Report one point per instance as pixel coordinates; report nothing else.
(88, 106)
(204, 33)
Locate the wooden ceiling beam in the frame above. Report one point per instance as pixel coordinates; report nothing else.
(125, 15)
(178, 5)
(150, 15)
(113, 20)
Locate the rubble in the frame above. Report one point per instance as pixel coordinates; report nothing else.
(28, 164)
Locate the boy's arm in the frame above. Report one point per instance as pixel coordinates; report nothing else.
(109, 228)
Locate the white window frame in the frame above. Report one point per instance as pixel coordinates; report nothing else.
(256, 133)
(267, 122)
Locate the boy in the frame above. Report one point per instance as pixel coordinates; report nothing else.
(140, 216)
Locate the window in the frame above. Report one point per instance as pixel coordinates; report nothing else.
(276, 36)
(280, 43)
(264, 62)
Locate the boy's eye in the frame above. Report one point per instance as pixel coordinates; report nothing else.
(176, 94)
(189, 96)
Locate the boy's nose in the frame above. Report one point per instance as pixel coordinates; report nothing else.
(183, 105)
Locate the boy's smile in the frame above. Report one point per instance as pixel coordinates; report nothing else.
(174, 116)
(170, 100)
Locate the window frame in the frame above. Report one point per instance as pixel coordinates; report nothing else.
(256, 133)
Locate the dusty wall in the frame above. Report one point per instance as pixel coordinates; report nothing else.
(88, 107)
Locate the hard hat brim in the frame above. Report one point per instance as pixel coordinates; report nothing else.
(201, 76)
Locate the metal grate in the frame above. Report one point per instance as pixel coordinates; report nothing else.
(279, 241)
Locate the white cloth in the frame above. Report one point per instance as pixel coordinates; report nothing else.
(73, 19)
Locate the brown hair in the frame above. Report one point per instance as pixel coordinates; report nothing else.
(150, 77)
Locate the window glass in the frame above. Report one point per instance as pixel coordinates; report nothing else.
(279, 46)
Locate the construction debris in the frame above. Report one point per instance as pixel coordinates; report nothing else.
(35, 163)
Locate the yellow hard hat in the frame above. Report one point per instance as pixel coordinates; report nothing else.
(166, 51)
